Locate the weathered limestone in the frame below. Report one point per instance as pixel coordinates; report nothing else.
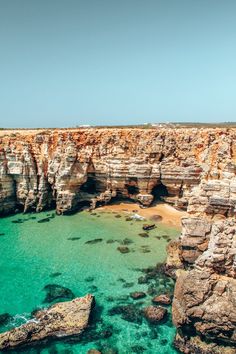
(62, 319)
(204, 307)
(70, 168)
(193, 169)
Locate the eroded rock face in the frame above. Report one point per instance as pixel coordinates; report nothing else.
(205, 303)
(61, 319)
(70, 168)
(204, 307)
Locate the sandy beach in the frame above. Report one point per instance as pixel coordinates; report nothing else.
(169, 214)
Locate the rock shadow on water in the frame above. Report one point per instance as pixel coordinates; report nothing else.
(145, 249)
(5, 318)
(157, 281)
(93, 289)
(144, 234)
(122, 280)
(129, 313)
(128, 285)
(138, 349)
(97, 330)
(54, 275)
(18, 221)
(57, 292)
(41, 221)
(89, 279)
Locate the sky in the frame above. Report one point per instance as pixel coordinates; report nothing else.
(65, 63)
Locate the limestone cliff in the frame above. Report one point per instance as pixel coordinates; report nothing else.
(194, 169)
(68, 168)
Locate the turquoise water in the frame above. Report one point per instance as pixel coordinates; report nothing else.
(34, 255)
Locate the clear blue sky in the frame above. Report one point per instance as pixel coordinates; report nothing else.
(70, 62)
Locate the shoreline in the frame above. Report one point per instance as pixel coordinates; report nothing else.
(170, 215)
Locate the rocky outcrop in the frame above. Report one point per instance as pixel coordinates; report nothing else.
(204, 307)
(60, 320)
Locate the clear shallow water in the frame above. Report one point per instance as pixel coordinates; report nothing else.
(32, 252)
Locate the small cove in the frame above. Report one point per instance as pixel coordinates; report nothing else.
(79, 252)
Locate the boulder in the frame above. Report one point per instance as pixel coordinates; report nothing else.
(60, 320)
(123, 249)
(137, 295)
(162, 299)
(154, 314)
(148, 227)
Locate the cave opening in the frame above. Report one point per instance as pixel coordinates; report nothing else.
(90, 185)
(132, 190)
(160, 191)
(132, 186)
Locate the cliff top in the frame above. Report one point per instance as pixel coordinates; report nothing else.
(166, 127)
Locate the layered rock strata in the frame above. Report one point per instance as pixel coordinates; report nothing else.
(204, 306)
(194, 169)
(69, 168)
(60, 320)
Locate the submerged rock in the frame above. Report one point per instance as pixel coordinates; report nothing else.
(93, 351)
(55, 292)
(19, 221)
(137, 295)
(145, 249)
(162, 299)
(2, 234)
(89, 279)
(126, 241)
(4, 318)
(123, 249)
(144, 234)
(142, 280)
(60, 320)
(96, 331)
(56, 274)
(138, 349)
(130, 313)
(154, 314)
(148, 227)
(74, 238)
(44, 220)
(108, 350)
(111, 241)
(93, 242)
(128, 285)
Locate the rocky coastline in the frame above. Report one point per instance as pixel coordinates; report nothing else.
(192, 169)
(60, 320)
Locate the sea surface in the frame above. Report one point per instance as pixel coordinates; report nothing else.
(79, 252)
